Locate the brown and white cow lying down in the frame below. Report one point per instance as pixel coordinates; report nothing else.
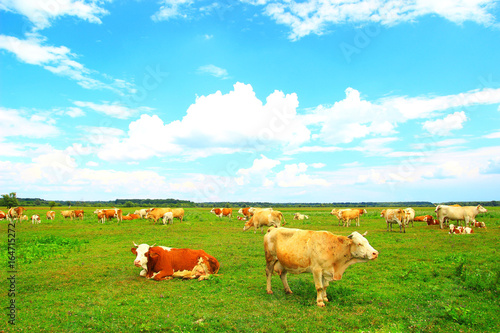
(321, 253)
(164, 263)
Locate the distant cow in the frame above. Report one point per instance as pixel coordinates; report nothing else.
(168, 217)
(245, 212)
(322, 253)
(157, 213)
(79, 213)
(130, 217)
(51, 215)
(107, 214)
(264, 217)
(220, 212)
(68, 214)
(466, 213)
(394, 216)
(409, 216)
(457, 230)
(143, 212)
(299, 216)
(35, 219)
(164, 263)
(479, 224)
(15, 213)
(346, 215)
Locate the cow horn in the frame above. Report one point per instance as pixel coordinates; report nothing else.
(152, 245)
(366, 232)
(350, 236)
(135, 244)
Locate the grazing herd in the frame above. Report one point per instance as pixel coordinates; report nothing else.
(296, 251)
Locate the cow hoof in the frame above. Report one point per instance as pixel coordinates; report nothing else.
(270, 292)
(321, 304)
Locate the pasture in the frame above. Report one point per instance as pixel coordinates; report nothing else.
(76, 276)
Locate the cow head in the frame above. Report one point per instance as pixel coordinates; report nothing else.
(141, 259)
(248, 224)
(481, 209)
(360, 248)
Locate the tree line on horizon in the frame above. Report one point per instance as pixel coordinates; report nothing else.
(11, 200)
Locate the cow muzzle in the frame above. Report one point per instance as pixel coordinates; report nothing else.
(137, 263)
(374, 255)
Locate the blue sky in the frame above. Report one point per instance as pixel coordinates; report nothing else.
(255, 100)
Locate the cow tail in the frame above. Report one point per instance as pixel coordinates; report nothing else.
(283, 217)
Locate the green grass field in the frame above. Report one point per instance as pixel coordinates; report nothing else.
(78, 276)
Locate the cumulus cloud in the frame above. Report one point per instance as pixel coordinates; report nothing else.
(258, 172)
(314, 17)
(209, 127)
(444, 126)
(351, 118)
(294, 175)
(18, 123)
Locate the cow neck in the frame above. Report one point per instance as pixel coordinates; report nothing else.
(344, 262)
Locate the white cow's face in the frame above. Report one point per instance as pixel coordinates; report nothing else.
(141, 260)
(481, 209)
(361, 249)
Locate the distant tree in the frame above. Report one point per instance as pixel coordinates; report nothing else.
(52, 204)
(10, 200)
(129, 204)
(37, 202)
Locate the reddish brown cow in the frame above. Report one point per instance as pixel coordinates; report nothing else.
(245, 212)
(109, 214)
(51, 215)
(163, 263)
(79, 213)
(130, 217)
(15, 213)
(220, 212)
(2, 215)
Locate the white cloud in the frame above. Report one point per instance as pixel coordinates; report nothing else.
(214, 71)
(74, 112)
(17, 123)
(495, 135)
(41, 13)
(351, 118)
(314, 16)
(172, 9)
(60, 61)
(444, 126)
(209, 128)
(258, 172)
(294, 175)
(115, 110)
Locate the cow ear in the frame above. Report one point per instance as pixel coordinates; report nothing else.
(134, 250)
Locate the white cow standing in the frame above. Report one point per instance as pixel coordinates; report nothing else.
(466, 213)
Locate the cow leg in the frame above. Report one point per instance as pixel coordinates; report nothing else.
(320, 289)
(284, 279)
(270, 262)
